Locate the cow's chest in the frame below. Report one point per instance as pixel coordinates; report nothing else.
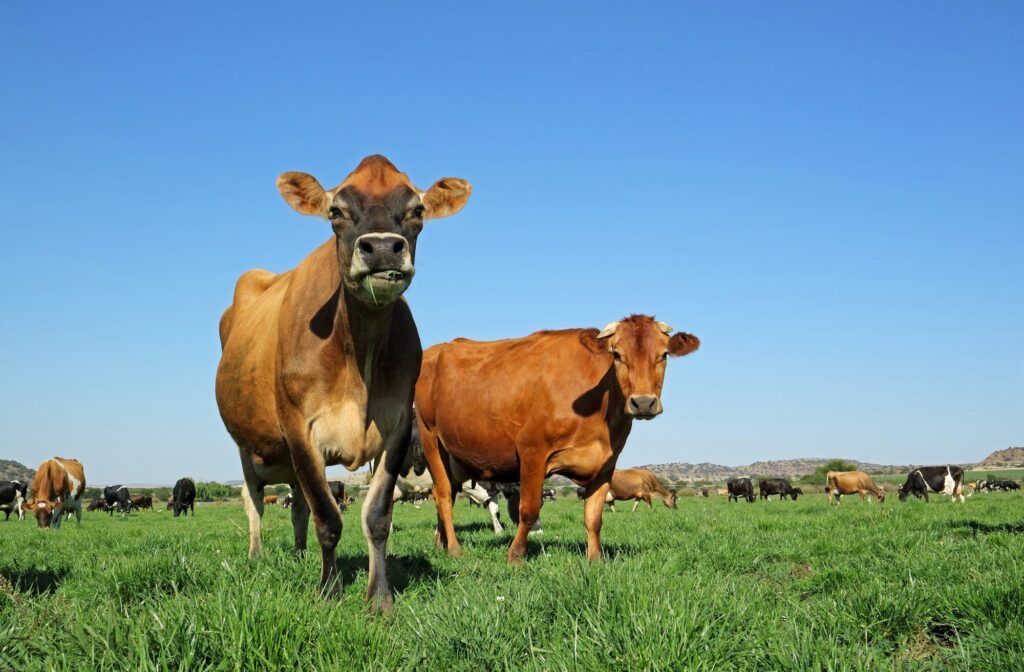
(582, 463)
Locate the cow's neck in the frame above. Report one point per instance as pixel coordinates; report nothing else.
(363, 332)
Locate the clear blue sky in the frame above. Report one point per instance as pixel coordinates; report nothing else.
(829, 194)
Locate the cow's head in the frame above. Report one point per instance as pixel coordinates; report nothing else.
(46, 512)
(639, 348)
(670, 501)
(795, 492)
(376, 214)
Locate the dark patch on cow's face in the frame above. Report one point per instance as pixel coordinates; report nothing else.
(376, 241)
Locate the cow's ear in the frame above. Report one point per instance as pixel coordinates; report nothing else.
(445, 197)
(682, 343)
(304, 193)
(589, 339)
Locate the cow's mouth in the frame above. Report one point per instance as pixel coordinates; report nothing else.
(383, 287)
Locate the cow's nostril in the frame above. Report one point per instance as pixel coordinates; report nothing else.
(365, 247)
(398, 246)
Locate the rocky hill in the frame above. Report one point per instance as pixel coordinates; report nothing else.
(15, 471)
(1008, 458)
(717, 473)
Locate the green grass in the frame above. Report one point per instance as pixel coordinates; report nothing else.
(711, 586)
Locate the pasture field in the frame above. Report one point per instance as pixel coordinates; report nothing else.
(710, 586)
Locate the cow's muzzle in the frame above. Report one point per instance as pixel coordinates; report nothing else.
(382, 266)
(643, 406)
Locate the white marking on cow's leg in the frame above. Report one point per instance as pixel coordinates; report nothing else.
(495, 512)
(252, 500)
(636, 503)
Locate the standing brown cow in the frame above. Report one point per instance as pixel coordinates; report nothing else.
(319, 363)
(640, 485)
(848, 482)
(554, 402)
(270, 500)
(56, 490)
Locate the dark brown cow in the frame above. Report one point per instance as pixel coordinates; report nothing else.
(319, 363)
(848, 482)
(142, 501)
(640, 485)
(56, 490)
(554, 402)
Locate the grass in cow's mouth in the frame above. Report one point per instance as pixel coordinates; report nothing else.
(392, 276)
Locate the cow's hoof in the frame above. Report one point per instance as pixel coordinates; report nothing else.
(380, 604)
(454, 552)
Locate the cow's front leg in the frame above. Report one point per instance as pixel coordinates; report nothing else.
(300, 518)
(593, 508)
(377, 508)
(531, 488)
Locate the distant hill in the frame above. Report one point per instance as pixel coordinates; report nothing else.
(15, 471)
(1008, 458)
(716, 473)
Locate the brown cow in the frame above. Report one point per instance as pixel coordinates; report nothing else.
(56, 490)
(319, 363)
(554, 402)
(848, 482)
(142, 501)
(639, 485)
(270, 500)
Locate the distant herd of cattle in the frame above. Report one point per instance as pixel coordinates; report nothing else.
(60, 492)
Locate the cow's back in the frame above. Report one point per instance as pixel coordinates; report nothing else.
(249, 338)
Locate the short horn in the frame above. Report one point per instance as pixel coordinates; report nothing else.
(608, 330)
(665, 328)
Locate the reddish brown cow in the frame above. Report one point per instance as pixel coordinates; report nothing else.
(319, 363)
(554, 402)
(56, 490)
(270, 500)
(848, 482)
(640, 485)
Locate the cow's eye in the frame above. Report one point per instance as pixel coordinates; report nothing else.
(664, 355)
(617, 355)
(336, 213)
(417, 212)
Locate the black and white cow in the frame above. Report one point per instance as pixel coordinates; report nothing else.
(12, 494)
(117, 497)
(183, 497)
(548, 495)
(947, 479)
(777, 486)
(741, 488)
(997, 485)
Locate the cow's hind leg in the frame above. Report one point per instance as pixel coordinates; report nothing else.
(636, 503)
(300, 519)
(252, 500)
(444, 496)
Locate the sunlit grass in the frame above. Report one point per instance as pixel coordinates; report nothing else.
(713, 585)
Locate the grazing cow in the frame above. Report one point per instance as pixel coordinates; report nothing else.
(581, 493)
(848, 482)
(98, 504)
(56, 489)
(947, 479)
(740, 488)
(640, 485)
(319, 363)
(183, 497)
(777, 486)
(117, 497)
(270, 500)
(12, 496)
(548, 495)
(554, 402)
(287, 501)
(339, 493)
